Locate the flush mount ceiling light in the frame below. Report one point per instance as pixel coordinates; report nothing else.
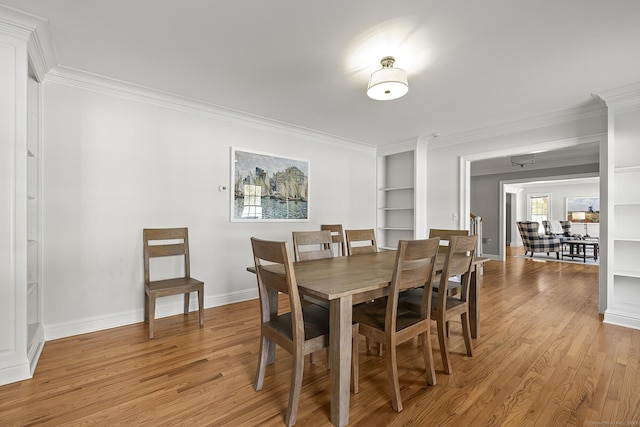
(522, 161)
(388, 82)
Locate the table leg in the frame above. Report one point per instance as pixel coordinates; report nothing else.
(340, 312)
(474, 303)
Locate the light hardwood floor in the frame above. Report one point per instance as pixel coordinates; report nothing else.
(544, 358)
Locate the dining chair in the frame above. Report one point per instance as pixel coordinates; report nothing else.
(458, 262)
(319, 241)
(172, 242)
(388, 323)
(445, 236)
(365, 241)
(337, 237)
(300, 331)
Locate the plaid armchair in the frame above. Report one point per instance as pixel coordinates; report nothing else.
(566, 231)
(535, 242)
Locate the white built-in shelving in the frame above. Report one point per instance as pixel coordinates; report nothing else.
(623, 177)
(401, 194)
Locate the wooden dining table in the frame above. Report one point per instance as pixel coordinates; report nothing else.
(348, 280)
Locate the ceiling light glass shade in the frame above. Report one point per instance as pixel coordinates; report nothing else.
(388, 82)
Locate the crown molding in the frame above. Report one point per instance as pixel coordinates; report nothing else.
(34, 30)
(105, 85)
(627, 96)
(592, 109)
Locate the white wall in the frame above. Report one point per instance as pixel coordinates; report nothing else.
(113, 166)
(558, 193)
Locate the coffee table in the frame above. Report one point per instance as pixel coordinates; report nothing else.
(578, 249)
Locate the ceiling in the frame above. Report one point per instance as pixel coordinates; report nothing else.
(470, 64)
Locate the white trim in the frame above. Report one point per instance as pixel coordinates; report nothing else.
(621, 318)
(14, 373)
(622, 97)
(34, 30)
(98, 323)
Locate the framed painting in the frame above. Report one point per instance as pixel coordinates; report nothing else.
(267, 187)
(583, 209)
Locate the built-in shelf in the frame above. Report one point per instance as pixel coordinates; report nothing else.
(401, 184)
(626, 203)
(626, 239)
(396, 188)
(627, 169)
(627, 273)
(623, 280)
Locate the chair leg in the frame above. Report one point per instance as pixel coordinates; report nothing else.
(392, 375)
(444, 351)
(146, 307)
(201, 307)
(466, 332)
(355, 362)
(427, 353)
(263, 360)
(186, 302)
(152, 314)
(296, 387)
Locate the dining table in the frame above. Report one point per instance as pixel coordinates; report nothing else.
(347, 280)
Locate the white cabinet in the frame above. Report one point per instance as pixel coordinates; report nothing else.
(401, 198)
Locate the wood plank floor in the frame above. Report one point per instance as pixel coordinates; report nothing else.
(544, 359)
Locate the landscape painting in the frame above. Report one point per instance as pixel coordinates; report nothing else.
(267, 187)
(583, 209)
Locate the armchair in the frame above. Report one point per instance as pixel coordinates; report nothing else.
(535, 242)
(566, 234)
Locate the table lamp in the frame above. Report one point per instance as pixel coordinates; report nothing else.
(581, 216)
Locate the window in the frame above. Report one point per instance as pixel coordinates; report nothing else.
(539, 209)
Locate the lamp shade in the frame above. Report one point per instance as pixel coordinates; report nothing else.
(578, 216)
(388, 82)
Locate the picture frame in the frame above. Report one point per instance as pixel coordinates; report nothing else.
(589, 206)
(268, 188)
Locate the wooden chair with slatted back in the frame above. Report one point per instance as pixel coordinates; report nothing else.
(319, 241)
(390, 324)
(458, 262)
(365, 241)
(337, 236)
(301, 331)
(185, 284)
(445, 236)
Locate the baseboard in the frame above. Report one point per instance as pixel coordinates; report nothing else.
(622, 319)
(99, 323)
(16, 373)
